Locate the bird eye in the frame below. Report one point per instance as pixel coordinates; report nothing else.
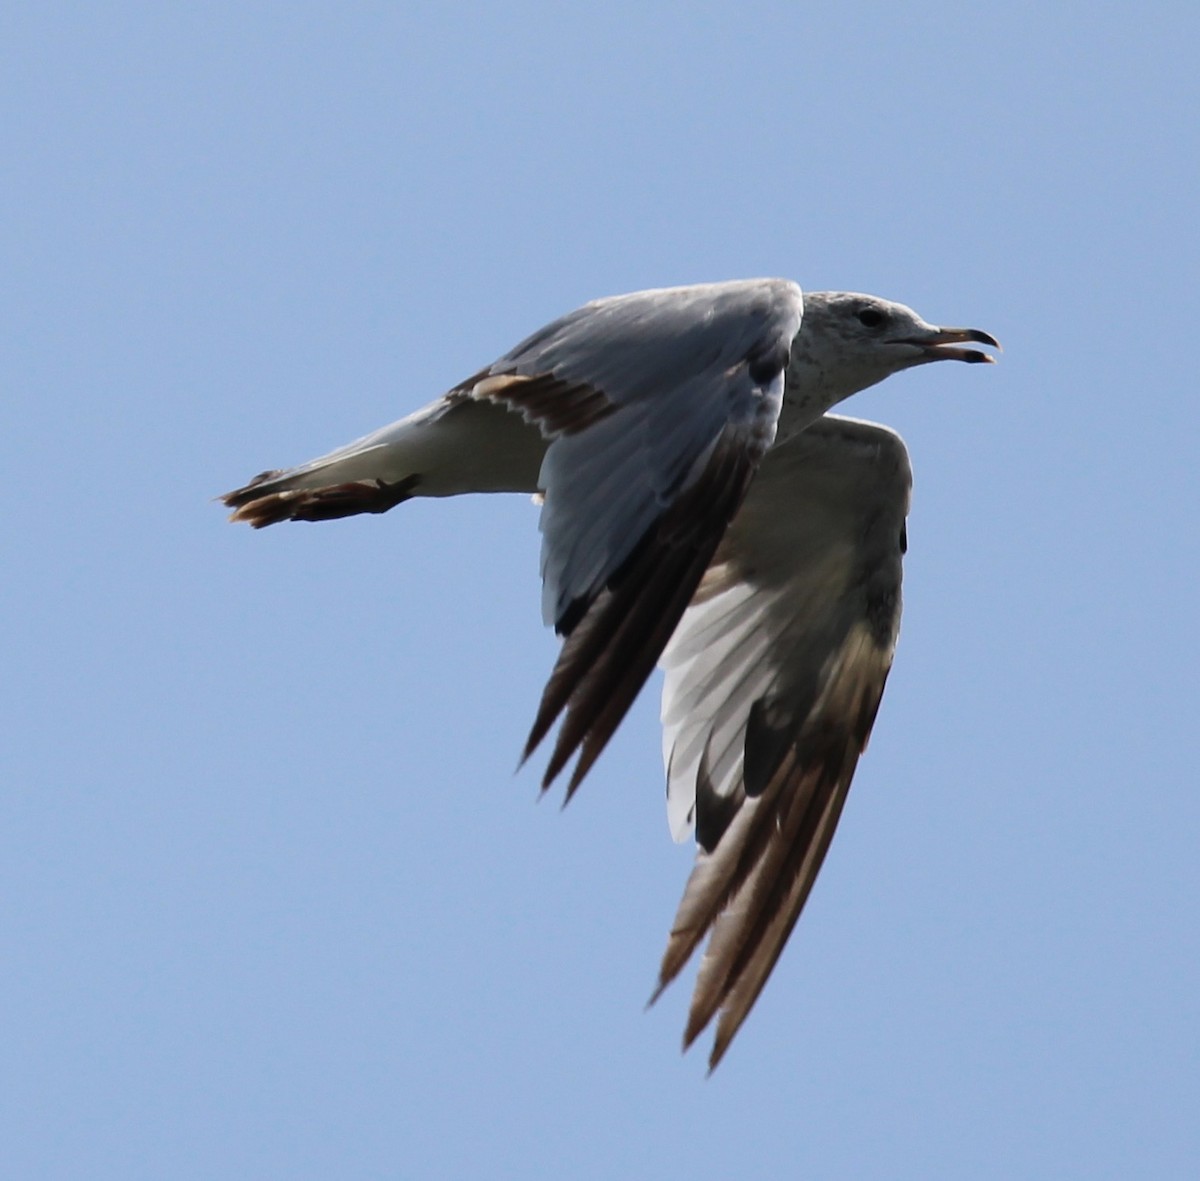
(871, 318)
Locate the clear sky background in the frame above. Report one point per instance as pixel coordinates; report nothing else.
(272, 903)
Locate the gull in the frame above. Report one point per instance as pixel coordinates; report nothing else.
(700, 510)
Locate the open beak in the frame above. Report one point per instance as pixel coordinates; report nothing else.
(939, 345)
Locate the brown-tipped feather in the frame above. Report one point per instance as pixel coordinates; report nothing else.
(612, 650)
(758, 959)
(558, 407)
(748, 893)
(316, 504)
(746, 944)
(717, 877)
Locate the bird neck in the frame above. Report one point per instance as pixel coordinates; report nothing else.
(811, 388)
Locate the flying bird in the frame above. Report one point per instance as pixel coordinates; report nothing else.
(700, 510)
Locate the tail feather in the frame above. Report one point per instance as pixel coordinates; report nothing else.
(263, 502)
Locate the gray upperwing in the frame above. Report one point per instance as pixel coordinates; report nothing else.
(659, 406)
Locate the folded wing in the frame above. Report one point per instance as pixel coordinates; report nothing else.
(773, 680)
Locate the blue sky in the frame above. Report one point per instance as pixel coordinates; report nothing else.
(271, 900)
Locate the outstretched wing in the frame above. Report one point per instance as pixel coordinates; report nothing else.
(659, 407)
(773, 679)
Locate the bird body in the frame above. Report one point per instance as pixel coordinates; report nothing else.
(702, 510)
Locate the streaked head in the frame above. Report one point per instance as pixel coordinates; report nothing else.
(848, 341)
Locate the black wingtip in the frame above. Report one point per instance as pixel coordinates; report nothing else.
(714, 1058)
(659, 989)
(572, 784)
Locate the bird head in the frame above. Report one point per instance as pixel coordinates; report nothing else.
(848, 341)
